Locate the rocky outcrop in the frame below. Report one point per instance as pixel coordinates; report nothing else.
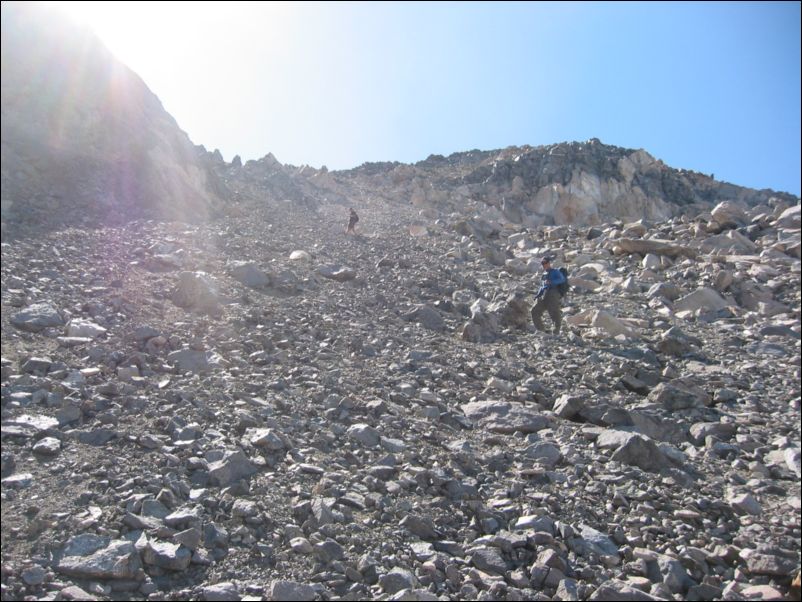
(568, 183)
(574, 183)
(84, 139)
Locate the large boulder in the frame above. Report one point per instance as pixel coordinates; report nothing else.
(37, 317)
(197, 291)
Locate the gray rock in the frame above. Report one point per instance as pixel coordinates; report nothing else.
(215, 536)
(506, 417)
(414, 595)
(34, 575)
(329, 551)
(568, 589)
(291, 591)
(232, 467)
(190, 360)
(545, 453)
(721, 430)
(426, 316)
(658, 428)
(21, 480)
(364, 434)
(266, 438)
(48, 446)
(770, 564)
(793, 459)
(197, 291)
(636, 450)
(702, 298)
(73, 592)
(675, 578)
(96, 437)
(614, 590)
(489, 560)
(729, 214)
(745, 503)
(679, 395)
(423, 527)
(535, 523)
(398, 579)
(189, 538)
(656, 246)
(29, 425)
(166, 555)
(36, 365)
(220, 592)
(36, 317)
(568, 406)
(249, 274)
(598, 542)
(338, 273)
(323, 511)
(94, 557)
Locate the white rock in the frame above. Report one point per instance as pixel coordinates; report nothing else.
(78, 327)
(745, 503)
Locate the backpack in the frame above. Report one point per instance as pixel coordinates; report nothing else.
(564, 287)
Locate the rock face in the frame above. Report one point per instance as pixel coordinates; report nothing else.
(568, 183)
(83, 138)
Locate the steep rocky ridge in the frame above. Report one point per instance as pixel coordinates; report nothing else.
(567, 183)
(83, 138)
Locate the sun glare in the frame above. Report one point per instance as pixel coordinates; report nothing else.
(128, 28)
(200, 57)
(147, 36)
(82, 12)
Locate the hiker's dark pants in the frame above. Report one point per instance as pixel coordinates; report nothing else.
(551, 301)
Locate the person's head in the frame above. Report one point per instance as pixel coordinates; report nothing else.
(546, 263)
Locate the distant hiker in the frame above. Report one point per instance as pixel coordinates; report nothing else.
(549, 297)
(353, 218)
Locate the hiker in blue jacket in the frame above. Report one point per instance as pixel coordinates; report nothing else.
(548, 298)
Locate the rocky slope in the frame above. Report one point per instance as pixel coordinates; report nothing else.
(258, 406)
(261, 407)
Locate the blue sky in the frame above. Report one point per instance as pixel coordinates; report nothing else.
(713, 87)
